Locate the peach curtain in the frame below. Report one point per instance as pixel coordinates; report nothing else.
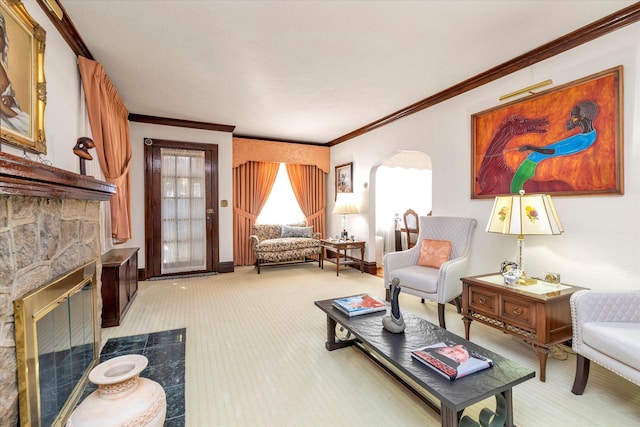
(108, 118)
(309, 186)
(252, 184)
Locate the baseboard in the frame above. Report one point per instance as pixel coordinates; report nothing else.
(370, 267)
(225, 267)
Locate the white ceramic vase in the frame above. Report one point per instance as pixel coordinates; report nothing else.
(122, 397)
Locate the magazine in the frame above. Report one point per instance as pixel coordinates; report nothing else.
(359, 304)
(451, 360)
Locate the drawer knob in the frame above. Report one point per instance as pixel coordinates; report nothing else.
(482, 300)
(517, 311)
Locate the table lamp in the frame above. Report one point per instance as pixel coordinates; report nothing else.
(345, 205)
(524, 215)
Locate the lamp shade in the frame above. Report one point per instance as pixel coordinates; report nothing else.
(524, 215)
(345, 204)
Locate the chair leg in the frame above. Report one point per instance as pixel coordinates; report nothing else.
(458, 302)
(441, 316)
(582, 374)
(258, 265)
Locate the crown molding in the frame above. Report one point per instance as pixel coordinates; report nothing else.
(65, 27)
(608, 24)
(154, 120)
(599, 28)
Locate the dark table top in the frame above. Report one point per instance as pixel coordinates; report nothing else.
(396, 350)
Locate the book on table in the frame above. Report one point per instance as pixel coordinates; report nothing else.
(359, 304)
(451, 360)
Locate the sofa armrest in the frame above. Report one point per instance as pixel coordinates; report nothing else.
(605, 306)
(394, 260)
(450, 274)
(255, 240)
(601, 306)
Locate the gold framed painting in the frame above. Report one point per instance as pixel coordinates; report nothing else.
(344, 178)
(23, 92)
(563, 141)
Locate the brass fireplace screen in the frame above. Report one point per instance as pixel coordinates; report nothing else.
(56, 346)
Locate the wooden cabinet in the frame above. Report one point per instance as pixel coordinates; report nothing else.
(538, 314)
(119, 284)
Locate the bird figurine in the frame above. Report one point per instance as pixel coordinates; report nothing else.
(82, 151)
(394, 322)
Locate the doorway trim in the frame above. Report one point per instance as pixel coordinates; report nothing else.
(153, 233)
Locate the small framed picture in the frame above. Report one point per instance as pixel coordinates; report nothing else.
(344, 178)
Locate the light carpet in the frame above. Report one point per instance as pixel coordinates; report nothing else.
(256, 357)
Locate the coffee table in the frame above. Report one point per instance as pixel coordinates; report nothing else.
(393, 352)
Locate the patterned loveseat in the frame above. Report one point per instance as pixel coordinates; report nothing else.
(275, 244)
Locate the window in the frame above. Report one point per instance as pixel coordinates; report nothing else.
(282, 206)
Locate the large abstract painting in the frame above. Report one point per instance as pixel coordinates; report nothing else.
(563, 141)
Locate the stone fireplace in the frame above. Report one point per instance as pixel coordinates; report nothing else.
(49, 225)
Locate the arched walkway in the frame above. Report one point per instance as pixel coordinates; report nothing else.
(401, 182)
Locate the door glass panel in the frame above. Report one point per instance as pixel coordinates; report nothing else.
(183, 211)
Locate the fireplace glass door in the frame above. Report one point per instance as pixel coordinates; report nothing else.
(57, 345)
(65, 350)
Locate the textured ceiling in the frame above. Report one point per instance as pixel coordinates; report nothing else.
(308, 71)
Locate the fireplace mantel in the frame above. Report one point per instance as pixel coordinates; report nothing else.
(24, 177)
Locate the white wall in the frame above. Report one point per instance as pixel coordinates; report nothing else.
(224, 140)
(601, 244)
(588, 253)
(64, 123)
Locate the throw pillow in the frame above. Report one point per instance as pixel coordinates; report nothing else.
(433, 253)
(288, 231)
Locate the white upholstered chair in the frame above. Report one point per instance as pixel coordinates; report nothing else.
(606, 330)
(440, 285)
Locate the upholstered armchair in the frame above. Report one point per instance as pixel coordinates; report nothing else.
(440, 284)
(606, 330)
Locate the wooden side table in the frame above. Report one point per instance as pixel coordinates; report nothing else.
(341, 247)
(538, 314)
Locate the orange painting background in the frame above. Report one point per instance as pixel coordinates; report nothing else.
(591, 170)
